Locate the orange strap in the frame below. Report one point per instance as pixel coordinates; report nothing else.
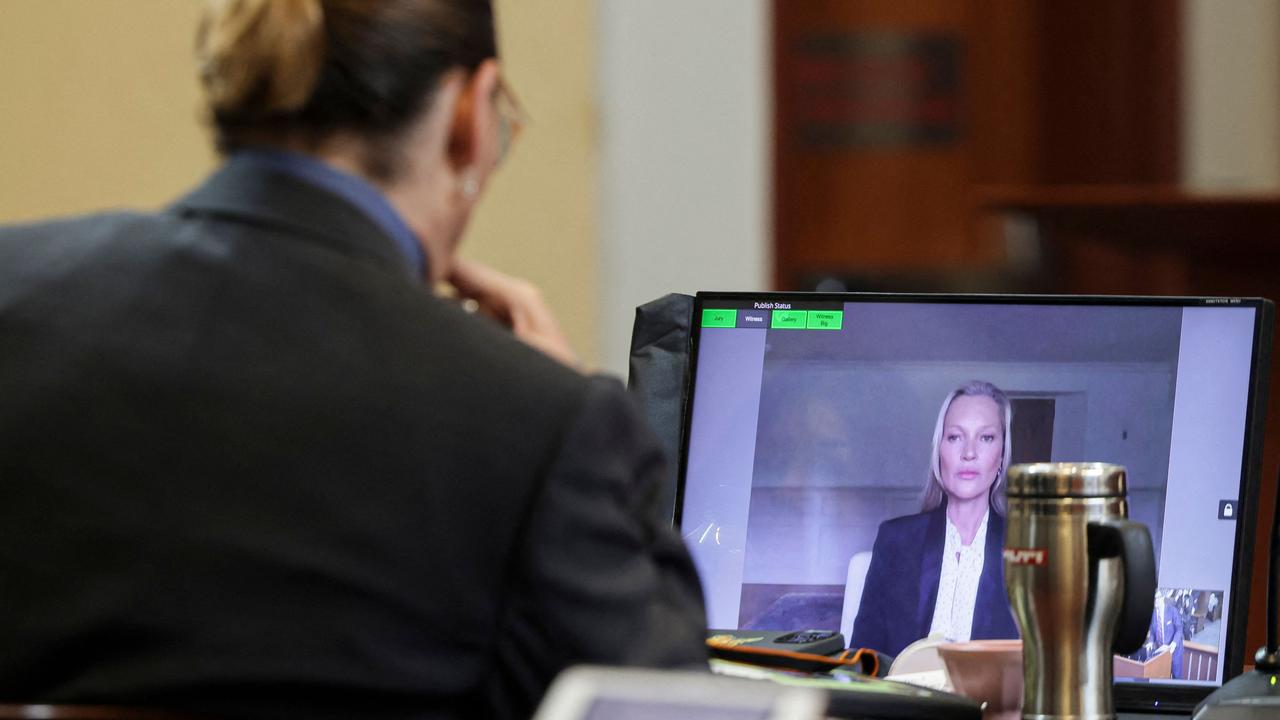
(851, 656)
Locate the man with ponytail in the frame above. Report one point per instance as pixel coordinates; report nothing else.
(255, 465)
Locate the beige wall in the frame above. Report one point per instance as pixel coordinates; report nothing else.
(99, 108)
(538, 217)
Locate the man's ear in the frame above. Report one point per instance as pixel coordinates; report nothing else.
(473, 138)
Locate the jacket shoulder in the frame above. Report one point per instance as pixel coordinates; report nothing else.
(37, 253)
(909, 536)
(76, 236)
(908, 525)
(88, 225)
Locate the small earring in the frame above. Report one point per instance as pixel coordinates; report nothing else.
(470, 186)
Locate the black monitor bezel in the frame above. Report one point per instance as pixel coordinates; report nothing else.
(1129, 695)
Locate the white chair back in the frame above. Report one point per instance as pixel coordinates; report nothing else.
(854, 580)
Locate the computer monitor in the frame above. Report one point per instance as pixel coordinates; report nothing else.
(811, 420)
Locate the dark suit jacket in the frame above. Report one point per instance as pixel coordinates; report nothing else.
(1169, 633)
(251, 466)
(901, 588)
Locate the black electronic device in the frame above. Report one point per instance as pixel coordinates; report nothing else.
(816, 642)
(809, 419)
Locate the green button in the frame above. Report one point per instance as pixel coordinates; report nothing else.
(825, 319)
(719, 318)
(788, 319)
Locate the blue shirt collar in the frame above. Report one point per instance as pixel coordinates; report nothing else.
(354, 190)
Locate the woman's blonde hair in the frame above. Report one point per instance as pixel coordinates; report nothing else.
(296, 71)
(934, 493)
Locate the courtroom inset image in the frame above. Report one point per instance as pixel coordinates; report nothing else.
(1184, 638)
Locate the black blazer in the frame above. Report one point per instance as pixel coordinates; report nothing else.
(901, 588)
(250, 466)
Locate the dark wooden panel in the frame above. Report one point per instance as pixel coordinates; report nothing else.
(1047, 92)
(1110, 107)
(884, 205)
(1004, 92)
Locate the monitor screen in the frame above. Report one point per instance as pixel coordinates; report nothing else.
(813, 419)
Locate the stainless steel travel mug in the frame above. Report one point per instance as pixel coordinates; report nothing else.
(1080, 577)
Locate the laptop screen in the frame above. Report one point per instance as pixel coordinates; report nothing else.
(813, 419)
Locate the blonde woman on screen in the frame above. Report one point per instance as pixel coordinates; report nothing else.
(940, 571)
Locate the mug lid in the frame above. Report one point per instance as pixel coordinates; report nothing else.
(1066, 479)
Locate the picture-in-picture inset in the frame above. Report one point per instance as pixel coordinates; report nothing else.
(1184, 638)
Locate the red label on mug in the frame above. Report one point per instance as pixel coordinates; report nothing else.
(1026, 556)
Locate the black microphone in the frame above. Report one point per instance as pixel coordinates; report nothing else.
(1255, 695)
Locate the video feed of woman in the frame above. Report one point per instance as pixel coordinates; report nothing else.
(891, 436)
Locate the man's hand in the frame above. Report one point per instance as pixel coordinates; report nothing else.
(514, 302)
